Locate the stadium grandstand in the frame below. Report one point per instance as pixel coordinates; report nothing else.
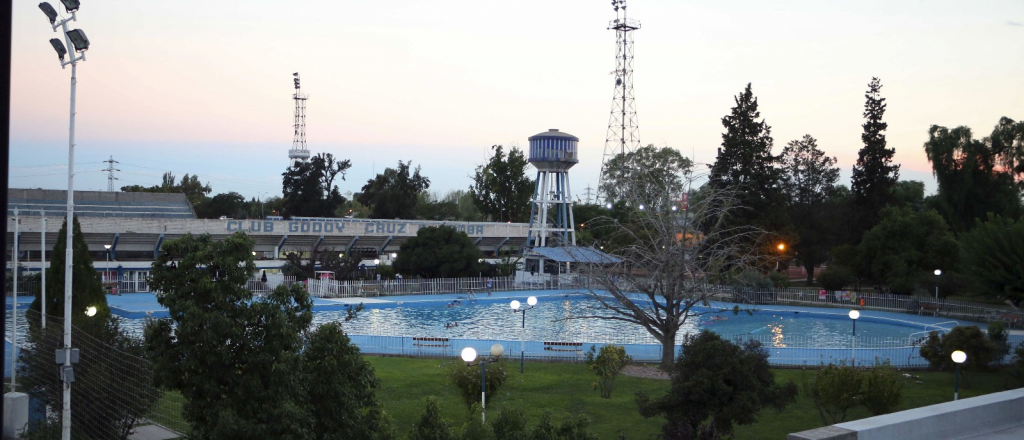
(136, 224)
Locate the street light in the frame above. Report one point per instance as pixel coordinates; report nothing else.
(959, 357)
(469, 355)
(781, 247)
(532, 302)
(853, 350)
(937, 273)
(106, 269)
(77, 39)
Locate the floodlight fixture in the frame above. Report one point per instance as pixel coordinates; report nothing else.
(79, 40)
(609, 205)
(515, 305)
(532, 301)
(469, 354)
(71, 5)
(59, 47)
(497, 350)
(938, 272)
(854, 314)
(90, 311)
(642, 207)
(49, 11)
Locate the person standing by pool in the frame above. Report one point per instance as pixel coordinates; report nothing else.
(489, 283)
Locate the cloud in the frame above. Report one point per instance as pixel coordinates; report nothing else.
(1014, 23)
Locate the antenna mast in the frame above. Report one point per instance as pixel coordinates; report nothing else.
(299, 151)
(110, 172)
(623, 133)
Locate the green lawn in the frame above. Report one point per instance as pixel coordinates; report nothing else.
(565, 389)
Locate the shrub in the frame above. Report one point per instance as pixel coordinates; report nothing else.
(1017, 366)
(834, 390)
(431, 425)
(780, 280)
(980, 350)
(835, 278)
(466, 379)
(883, 389)
(998, 335)
(607, 365)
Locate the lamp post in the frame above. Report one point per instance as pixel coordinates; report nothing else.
(937, 273)
(853, 351)
(959, 357)
(77, 40)
(532, 302)
(778, 260)
(469, 355)
(106, 268)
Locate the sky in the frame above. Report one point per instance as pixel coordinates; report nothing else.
(205, 88)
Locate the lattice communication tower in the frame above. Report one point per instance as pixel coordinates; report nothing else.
(299, 150)
(623, 133)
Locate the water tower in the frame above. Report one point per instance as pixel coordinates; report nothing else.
(551, 221)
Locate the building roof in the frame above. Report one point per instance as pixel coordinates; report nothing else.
(576, 254)
(100, 203)
(553, 133)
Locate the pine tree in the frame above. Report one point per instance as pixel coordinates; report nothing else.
(874, 174)
(87, 288)
(745, 163)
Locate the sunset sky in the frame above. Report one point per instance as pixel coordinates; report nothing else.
(204, 87)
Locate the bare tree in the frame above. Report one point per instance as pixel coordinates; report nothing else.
(672, 260)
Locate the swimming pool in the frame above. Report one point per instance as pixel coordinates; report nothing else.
(561, 319)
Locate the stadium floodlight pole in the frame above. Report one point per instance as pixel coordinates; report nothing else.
(77, 40)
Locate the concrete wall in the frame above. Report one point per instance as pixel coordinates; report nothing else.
(951, 420)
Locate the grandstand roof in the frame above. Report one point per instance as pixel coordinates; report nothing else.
(100, 203)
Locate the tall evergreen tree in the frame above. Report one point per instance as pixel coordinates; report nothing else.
(874, 174)
(87, 288)
(746, 164)
(809, 180)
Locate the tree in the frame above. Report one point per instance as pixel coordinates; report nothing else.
(973, 177)
(194, 190)
(109, 357)
(342, 392)
(809, 178)
(719, 383)
(243, 364)
(439, 252)
(904, 248)
(501, 189)
(86, 284)
(874, 175)
(431, 425)
(909, 193)
(746, 164)
(309, 189)
(993, 259)
(980, 350)
(393, 193)
(667, 265)
(835, 390)
(663, 169)
(232, 205)
(607, 365)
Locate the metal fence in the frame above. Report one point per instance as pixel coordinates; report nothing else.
(793, 351)
(328, 288)
(920, 305)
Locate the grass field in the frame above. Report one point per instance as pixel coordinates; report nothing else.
(565, 389)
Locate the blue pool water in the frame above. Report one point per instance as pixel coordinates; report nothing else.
(563, 319)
